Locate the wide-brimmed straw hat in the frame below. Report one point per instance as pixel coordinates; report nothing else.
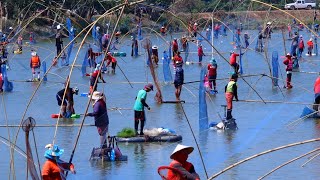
(97, 95)
(53, 151)
(288, 55)
(179, 149)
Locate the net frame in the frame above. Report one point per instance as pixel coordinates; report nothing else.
(163, 172)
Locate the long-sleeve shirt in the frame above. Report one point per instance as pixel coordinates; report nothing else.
(100, 113)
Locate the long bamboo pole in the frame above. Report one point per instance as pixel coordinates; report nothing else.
(262, 153)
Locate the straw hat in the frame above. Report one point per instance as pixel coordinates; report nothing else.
(288, 55)
(179, 148)
(154, 47)
(58, 26)
(97, 95)
(310, 39)
(53, 151)
(33, 53)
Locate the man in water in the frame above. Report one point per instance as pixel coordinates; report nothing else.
(35, 64)
(231, 91)
(179, 162)
(212, 74)
(178, 79)
(289, 63)
(140, 103)
(67, 103)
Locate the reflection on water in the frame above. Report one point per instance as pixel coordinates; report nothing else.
(261, 126)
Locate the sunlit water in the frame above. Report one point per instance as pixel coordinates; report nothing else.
(261, 126)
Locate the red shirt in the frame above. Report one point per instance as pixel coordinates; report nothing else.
(175, 46)
(289, 63)
(233, 58)
(317, 86)
(212, 70)
(200, 51)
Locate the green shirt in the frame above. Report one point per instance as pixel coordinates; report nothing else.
(138, 106)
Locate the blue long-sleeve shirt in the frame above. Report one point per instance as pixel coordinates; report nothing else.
(100, 114)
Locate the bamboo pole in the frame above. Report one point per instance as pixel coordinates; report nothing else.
(48, 125)
(288, 162)
(262, 153)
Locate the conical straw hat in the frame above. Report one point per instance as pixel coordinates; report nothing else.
(179, 148)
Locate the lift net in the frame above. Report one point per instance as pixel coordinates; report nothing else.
(275, 68)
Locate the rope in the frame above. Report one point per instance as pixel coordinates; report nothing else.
(48, 125)
(194, 137)
(284, 102)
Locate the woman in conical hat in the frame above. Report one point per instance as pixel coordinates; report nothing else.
(179, 161)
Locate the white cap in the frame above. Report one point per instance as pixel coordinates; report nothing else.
(58, 26)
(10, 28)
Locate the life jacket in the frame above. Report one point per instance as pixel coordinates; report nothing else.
(178, 60)
(301, 44)
(317, 86)
(289, 63)
(35, 61)
(95, 73)
(310, 44)
(172, 175)
(230, 87)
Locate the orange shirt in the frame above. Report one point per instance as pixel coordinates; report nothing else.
(52, 171)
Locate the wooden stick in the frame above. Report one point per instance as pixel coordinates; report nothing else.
(288, 162)
(262, 153)
(180, 101)
(310, 159)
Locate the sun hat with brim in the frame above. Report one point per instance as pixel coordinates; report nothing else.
(288, 55)
(179, 149)
(97, 95)
(53, 151)
(149, 86)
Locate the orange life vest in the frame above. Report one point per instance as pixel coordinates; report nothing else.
(35, 61)
(172, 175)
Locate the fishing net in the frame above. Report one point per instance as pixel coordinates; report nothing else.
(85, 63)
(163, 171)
(139, 31)
(315, 49)
(44, 69)
(28, 125)
(71, 37)
(146, 44)
(275, 68)
(240, 62)
(8, 86)
(203, 114)
(166, 67)
(308, 111)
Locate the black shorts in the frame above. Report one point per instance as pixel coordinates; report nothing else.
(59, 99)
(113, 65)
(317, 98)
(139, 115)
